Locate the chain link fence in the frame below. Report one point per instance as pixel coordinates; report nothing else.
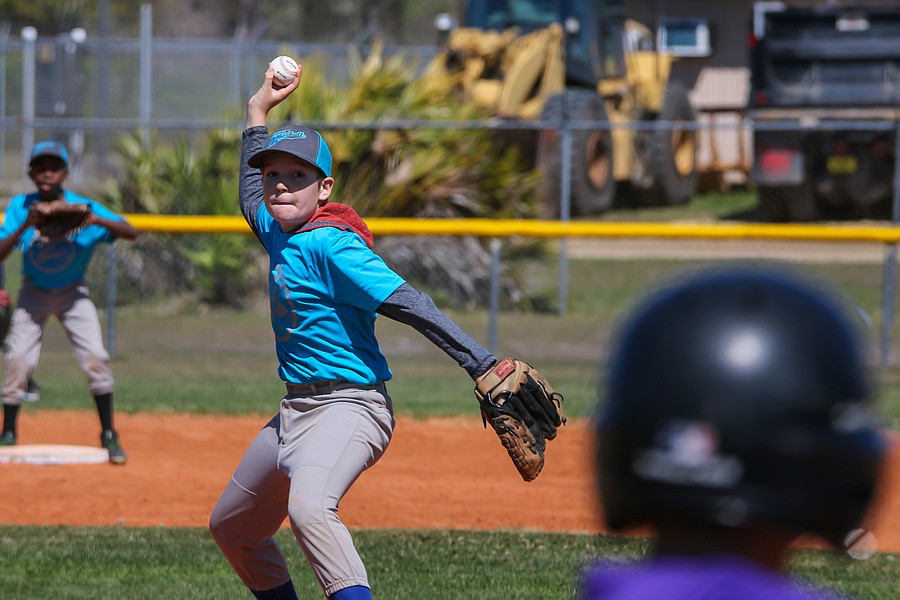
(86, 92)
(605, 276)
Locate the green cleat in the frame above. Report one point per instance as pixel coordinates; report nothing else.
(8, 438)
(109, 439)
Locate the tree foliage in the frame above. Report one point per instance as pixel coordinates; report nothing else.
(381, 171)
(173, 178)
(428, 172)
(404, 172)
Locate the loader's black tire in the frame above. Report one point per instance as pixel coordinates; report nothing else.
(673, 148)
(787, 204)
(593, 185)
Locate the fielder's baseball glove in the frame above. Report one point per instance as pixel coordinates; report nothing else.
(57, 219)
(523, 410)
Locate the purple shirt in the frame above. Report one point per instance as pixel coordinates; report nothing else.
(680, 578)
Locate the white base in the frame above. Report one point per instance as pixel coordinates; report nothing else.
(46, 454)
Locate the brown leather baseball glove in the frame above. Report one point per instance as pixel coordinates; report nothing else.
(524, 411)
(57, 219)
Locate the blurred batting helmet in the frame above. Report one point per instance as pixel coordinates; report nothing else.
(739, 397)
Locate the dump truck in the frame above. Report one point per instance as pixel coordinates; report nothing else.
(579, 61)
(824, 96)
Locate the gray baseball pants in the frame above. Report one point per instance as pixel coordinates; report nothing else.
(300, 466)
(73, 306)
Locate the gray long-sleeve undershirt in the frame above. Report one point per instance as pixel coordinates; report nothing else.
(414, 308)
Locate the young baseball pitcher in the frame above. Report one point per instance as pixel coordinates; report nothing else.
(326, 287)
(53, 284)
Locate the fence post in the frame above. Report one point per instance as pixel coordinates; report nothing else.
(889, 276)
(29, 70)
(4, 38)
(111, 282)
(565, 207)
(235, 58)
(888, 298)
(494, 300)
(146, 73)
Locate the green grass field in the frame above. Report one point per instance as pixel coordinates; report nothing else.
(221, 361)
(138, 564)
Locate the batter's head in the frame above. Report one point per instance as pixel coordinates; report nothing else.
(739, 397)
(304, 143)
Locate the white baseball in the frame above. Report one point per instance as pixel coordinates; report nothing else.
(285, 69)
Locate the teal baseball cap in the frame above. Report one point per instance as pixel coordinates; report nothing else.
(304, 143)
(49, 148)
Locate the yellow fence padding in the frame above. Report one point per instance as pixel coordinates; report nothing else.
(551, 229)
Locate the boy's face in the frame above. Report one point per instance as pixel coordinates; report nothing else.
(48, 174)
(292, 191)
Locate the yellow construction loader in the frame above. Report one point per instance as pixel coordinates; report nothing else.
(577, 61)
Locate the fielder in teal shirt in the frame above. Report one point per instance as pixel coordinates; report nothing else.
(54, 285)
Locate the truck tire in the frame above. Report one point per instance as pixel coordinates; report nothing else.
(593, 185)
(786, 204)
(673, 149)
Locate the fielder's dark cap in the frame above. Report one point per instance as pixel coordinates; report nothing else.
(55, 149)
(304, 143)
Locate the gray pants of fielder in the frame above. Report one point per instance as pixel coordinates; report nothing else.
(73, 306)
(300, 466)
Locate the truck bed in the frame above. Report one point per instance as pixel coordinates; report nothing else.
(826, 56)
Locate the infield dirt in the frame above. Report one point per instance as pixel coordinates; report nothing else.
(436, 474)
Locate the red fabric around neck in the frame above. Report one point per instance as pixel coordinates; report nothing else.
(342, 216)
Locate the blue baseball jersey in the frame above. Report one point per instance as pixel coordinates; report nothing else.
(59, 263)
(325, 285)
